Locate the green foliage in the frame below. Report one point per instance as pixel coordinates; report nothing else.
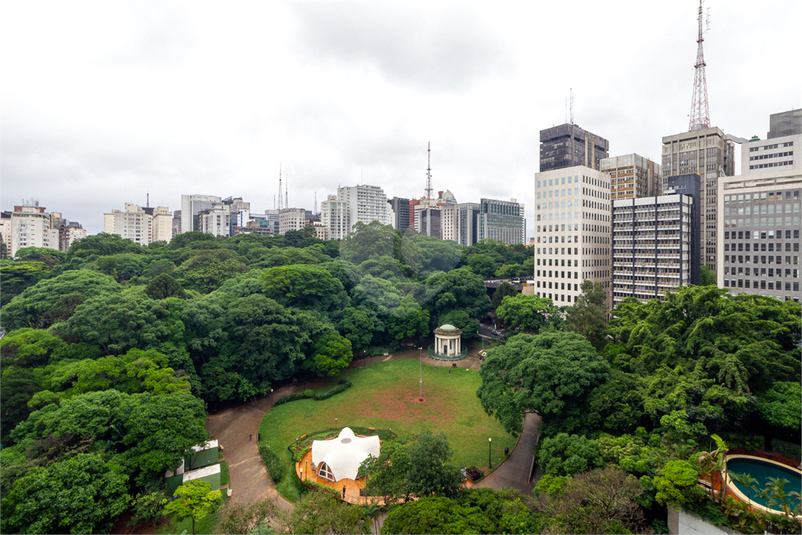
(528, 313)
(29, 348)
(474, 511)
(275, 466)
(148, 507)
(122, 267)
(781, 405)
(321, 513)
(30, 308)
(419, 467)
(357, 325)
(207, 270)
(307, 287)
(458, 289)
(460, 319)
(552, 374)
(676, 484)
(483, 265)
(588, 315)
(332, 355)
(708, 277)
(102, 244)
(342, 386)
(366, 241)
(83, 494)
(600, 501)
(195, 500)
(242, 518)
(504, 289)
(565, 455)
(19, 275)
(162, 286)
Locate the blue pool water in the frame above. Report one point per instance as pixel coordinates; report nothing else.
(762, 471)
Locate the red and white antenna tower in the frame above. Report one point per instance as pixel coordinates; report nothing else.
(700, 113)
(429, 173)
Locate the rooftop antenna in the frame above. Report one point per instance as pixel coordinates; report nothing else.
(147, 202)
(429, 173)
(279, 187)
(286, 194)
(315, 212)
(700, 113)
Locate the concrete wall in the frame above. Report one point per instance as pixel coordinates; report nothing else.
(684, 523)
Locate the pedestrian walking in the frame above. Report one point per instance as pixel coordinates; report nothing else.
(259, 436)
(343, 492)
(250, 437)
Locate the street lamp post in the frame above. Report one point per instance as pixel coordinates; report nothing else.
(489, 452)
(302, 474)
(420, 372)
(335, 423)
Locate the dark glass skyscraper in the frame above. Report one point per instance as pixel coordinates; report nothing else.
(568, 145)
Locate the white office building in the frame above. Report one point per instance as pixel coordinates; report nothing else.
(28, 226)
(191, 206)
(291, 219)
(334, 218)
(572, 232)
(366, 203)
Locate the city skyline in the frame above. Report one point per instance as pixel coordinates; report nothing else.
(105, 102)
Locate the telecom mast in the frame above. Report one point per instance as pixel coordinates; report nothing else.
(279, 187)
(429, 173)
(700, 114)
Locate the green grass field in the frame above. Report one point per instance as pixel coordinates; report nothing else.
(385, 395)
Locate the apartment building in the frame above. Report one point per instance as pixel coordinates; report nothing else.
(632, 176)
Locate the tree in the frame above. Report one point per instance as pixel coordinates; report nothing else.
(194, 499)
(600, 501)
(552, 374)
(460, 319)
(372, 240)
(162, 286)
(82, 494)
(332, 355)
(417, 467)
(504, 289)
(102, 244)
(29, 309)
(208, 269)
(459, 289)
(307, 287)
(321, 513)
(528, 313)
(17, 276)
(708, 277)
(122, 267)
(588, 315)
(676, 484)
(357, 326)
(566, 454)
(408, 320)
(780, 405)
(483, 265)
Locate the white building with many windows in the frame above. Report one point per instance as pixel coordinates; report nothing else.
(572, 232)
(366, 203)
(334, 218)
(759, 234)
(29, 226)
(291, 219)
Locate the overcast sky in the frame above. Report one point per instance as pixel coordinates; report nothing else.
(105, 101)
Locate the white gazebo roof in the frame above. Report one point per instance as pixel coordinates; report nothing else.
(344, 454)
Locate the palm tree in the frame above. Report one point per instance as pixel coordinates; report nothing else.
(715, 461)
(775, 494)
(747, 481)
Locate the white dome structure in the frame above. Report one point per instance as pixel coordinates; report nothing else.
(341, 457)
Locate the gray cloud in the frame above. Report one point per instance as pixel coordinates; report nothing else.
(437, 49)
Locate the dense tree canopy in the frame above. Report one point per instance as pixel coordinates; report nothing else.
(552, 374)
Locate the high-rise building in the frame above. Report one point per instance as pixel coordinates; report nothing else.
(759, 233)
(223, 218)
(68, 231)
(133, 223)
(653, 247)
(400, 209)
(176, 223)
(429, 222)
(568, 145)
(632, 175)
(468, 231)
(365, 203)
(501, 220)
(786, 123)
(572, 232)
(28, 226)
(162, 224)
(291, 219)
(708, 153)
(782, 149)
(334, 217)
(191, 206)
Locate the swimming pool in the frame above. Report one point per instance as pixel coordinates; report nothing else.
(762, 470)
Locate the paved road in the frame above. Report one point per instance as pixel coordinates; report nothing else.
(514, 471)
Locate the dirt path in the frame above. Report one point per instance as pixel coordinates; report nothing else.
(237, 430)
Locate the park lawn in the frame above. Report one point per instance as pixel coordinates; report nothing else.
(385, 396)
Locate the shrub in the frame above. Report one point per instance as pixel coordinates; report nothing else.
(274, 465)
(323, 488)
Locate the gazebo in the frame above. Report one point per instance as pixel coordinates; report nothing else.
(340, 458)
(447, 341)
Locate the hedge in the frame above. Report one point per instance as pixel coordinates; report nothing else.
(274, 465)
(342, 386)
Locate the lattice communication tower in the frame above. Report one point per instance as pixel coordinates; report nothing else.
(700, 113)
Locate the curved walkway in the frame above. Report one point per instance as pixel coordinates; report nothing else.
(250, 482)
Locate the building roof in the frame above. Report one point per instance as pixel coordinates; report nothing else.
(448, 327)
(345, 454)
